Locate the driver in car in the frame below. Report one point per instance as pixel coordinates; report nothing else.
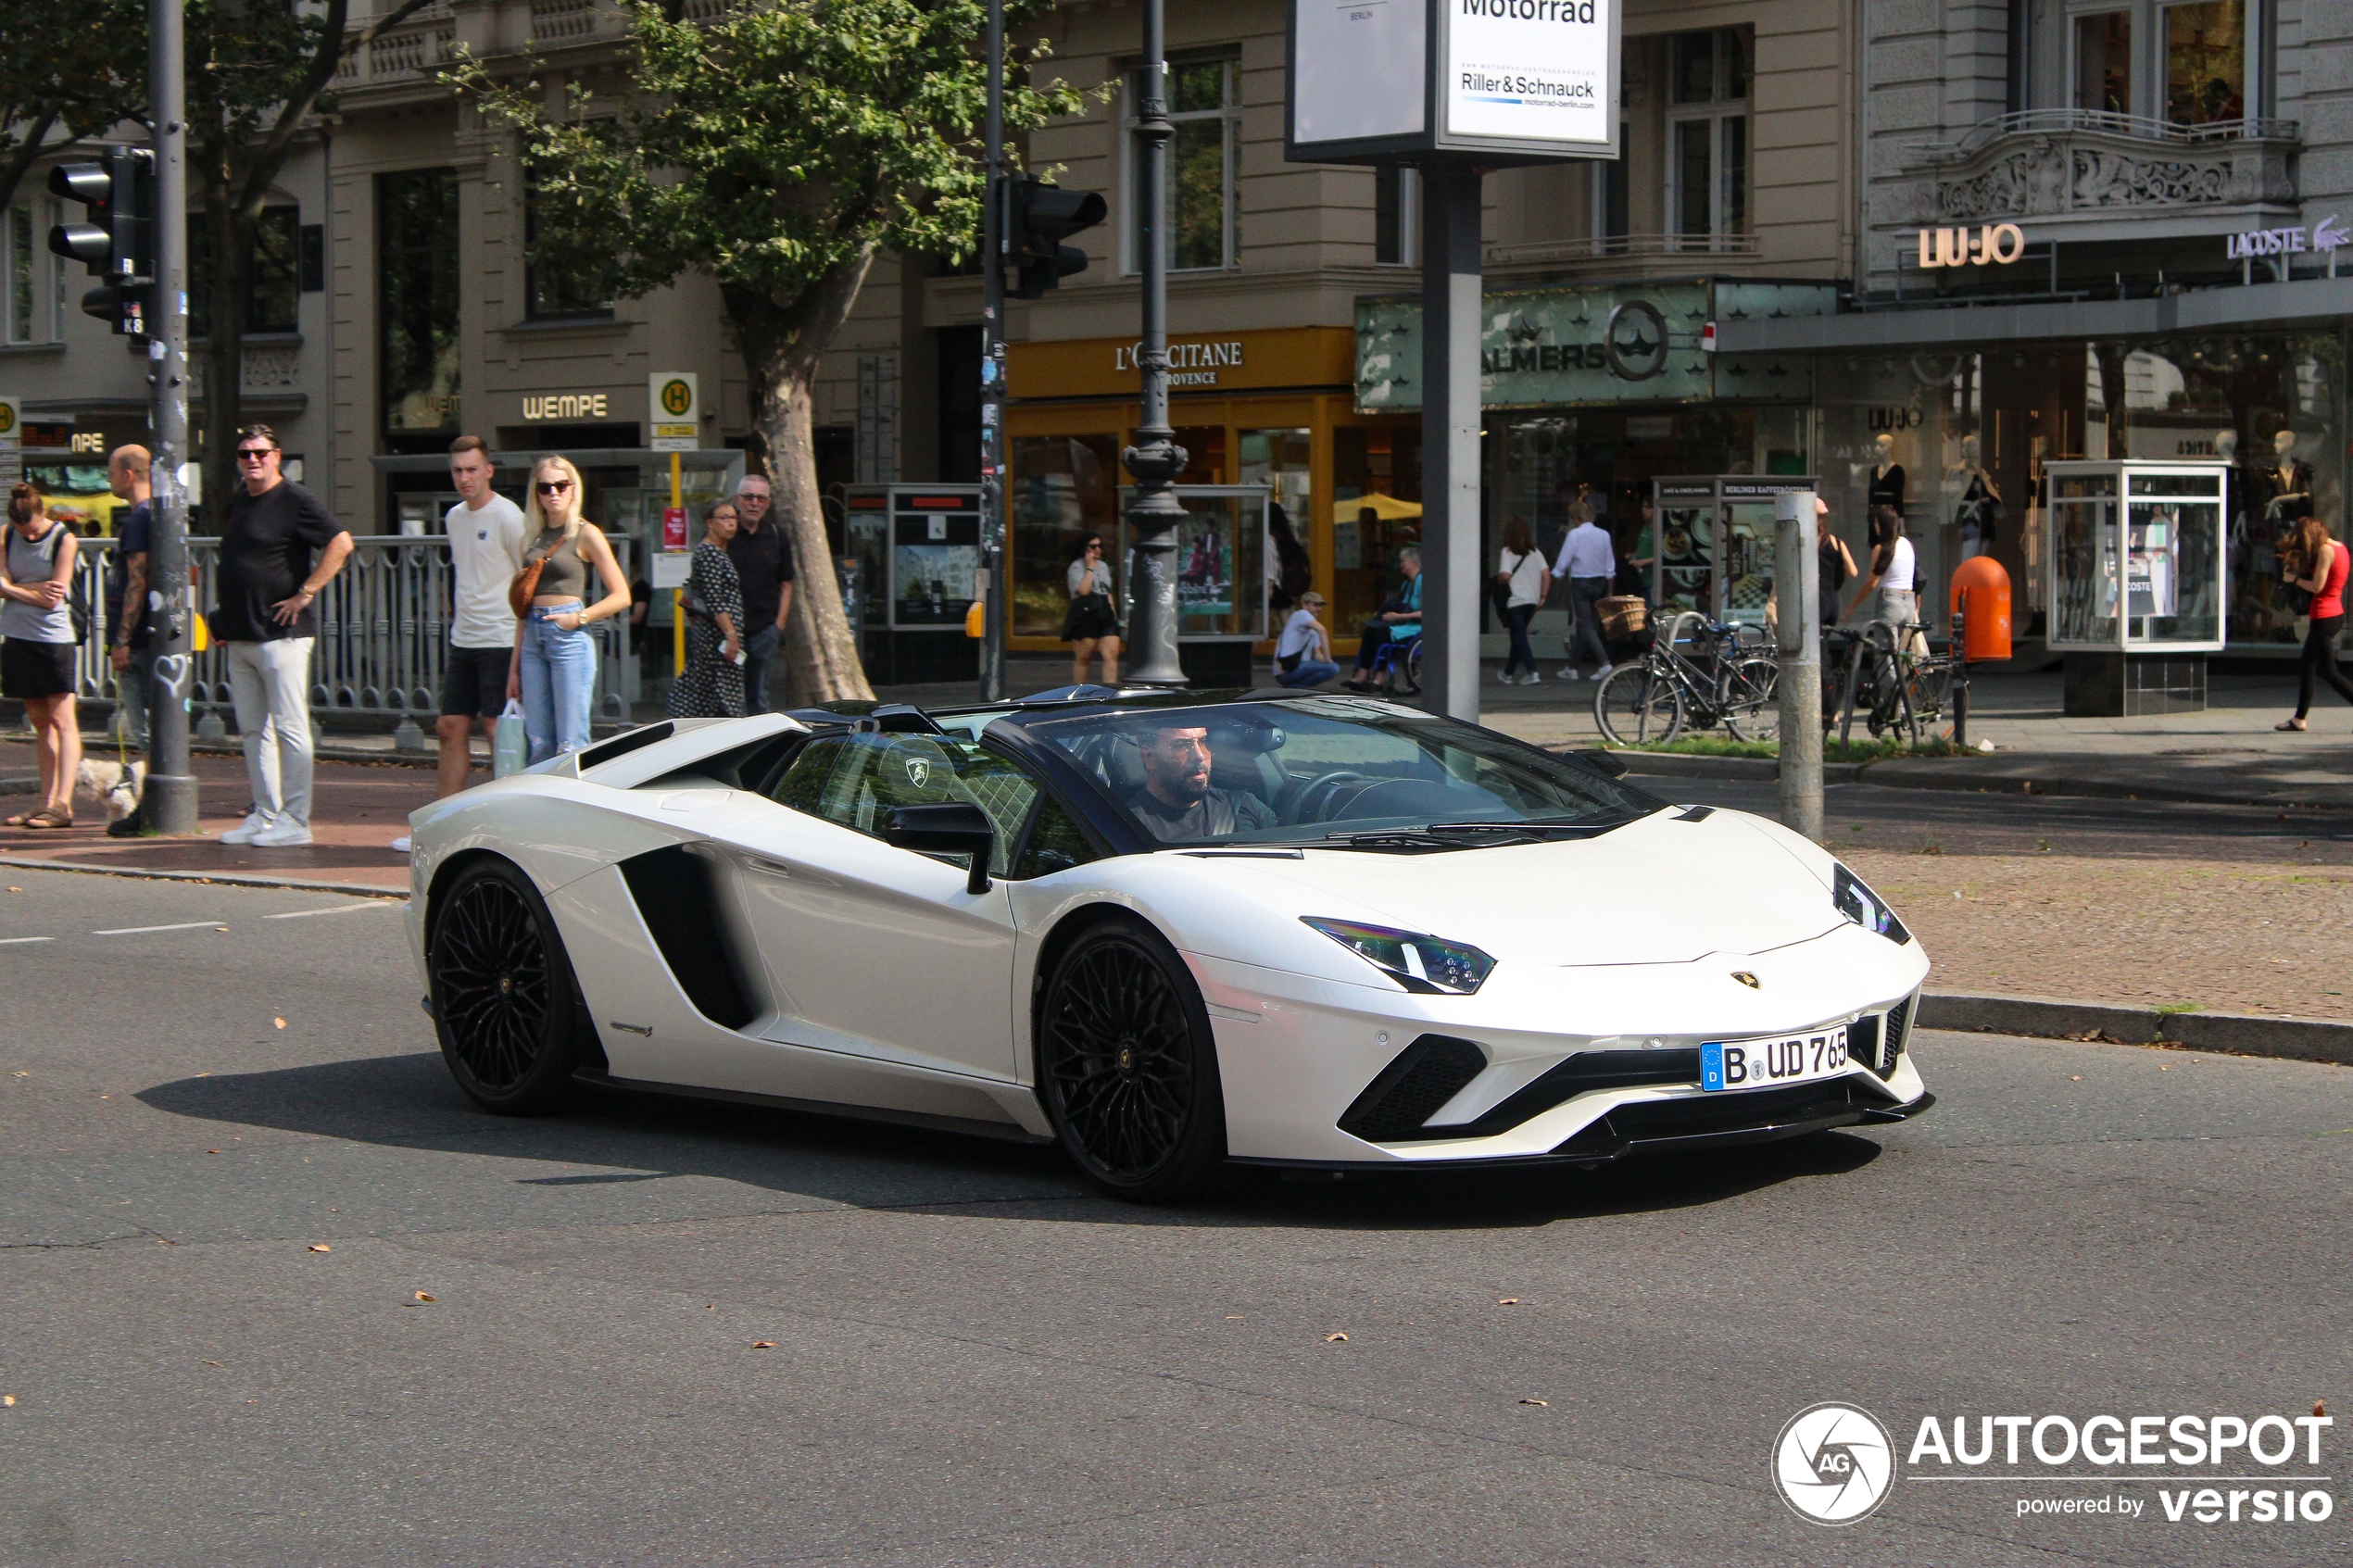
(1178, 804)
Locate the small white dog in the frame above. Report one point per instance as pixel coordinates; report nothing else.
(115, 784)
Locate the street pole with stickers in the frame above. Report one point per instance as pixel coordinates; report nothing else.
(167, 802)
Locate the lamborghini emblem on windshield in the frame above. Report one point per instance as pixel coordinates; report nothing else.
(918, 770)
(1748, 980)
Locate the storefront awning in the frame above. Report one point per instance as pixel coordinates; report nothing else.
(2313, 301)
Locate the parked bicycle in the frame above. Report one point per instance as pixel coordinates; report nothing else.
(1890, 690)
(1726, 679)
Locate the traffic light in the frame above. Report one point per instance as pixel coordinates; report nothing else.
(118, 241)
(1038, 217)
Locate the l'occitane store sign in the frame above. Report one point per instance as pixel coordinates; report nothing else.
(1246, 361)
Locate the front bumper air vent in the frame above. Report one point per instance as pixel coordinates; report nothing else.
(1422, 1077)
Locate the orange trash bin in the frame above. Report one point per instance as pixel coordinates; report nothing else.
(1981, 600)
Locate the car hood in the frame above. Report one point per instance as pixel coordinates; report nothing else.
(1666, 889)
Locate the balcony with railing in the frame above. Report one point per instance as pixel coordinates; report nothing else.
(2092, 173)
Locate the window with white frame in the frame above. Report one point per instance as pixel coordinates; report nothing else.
(1396, 212)
(1198, 220)
(16, 308)
(1708, 135)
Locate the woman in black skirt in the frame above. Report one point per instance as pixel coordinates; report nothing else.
(711, 685)
(1092, 625)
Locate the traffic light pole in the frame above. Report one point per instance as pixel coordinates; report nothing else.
(169, 804)
(992, 372)
(1155, 460)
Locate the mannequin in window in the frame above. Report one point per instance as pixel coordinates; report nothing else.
(2291, 484)
(1887, 475)
(1979, 510)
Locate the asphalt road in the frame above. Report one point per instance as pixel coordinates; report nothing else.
(975, 1362)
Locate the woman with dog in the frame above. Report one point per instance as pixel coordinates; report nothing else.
(36, 661)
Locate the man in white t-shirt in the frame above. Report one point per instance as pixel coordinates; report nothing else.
(486, 551)
(1588, 562)
(1304, 653)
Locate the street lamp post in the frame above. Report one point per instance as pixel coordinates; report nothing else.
(1155, 460)
(992, 371)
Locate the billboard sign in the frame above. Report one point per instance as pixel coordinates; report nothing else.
(1502, 81)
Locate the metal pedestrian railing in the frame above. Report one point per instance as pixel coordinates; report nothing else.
(383, 634)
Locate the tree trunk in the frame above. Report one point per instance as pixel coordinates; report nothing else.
(224, 361)
(782, 346)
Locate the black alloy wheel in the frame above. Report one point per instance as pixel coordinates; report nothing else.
(504, 1001)
(1128, 1067)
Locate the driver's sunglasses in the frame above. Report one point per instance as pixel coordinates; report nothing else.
(554, 486)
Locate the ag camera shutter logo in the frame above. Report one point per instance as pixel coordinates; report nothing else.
(1833, 1464)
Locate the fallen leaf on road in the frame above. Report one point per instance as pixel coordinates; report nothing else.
(1508, 1301)
(426, 1295)
(2319, 1407)
(9, 1399)
(1536, 1401)
(763, 1344)
(2077, 1079)
(2165, 1070)
(278, 1022)
(212, 1364)
(16, 890)
(212, 1151)
(1334, 1338)
(316, 1245)
(1233, 1317)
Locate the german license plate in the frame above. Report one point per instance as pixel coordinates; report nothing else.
(1769, 1063)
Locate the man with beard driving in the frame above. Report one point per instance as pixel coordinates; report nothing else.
(1176, 804)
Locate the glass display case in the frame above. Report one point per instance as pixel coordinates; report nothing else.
(2133, 553)
(1713, 545)
(1221, 578)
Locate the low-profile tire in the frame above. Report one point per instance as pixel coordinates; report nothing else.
(1127, 1066)
(505, 1004)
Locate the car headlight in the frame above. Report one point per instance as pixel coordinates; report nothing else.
(1413, 961)
(1866, 908)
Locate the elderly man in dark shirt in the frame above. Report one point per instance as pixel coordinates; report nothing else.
(1176, 804)
(764, 565)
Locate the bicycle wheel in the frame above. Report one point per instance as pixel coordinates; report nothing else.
(1753, 701)
(1637, 705)
(1891, 707)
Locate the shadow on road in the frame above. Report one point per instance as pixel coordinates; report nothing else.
(408, 1101)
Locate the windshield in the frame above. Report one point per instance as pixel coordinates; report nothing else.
(1330, 770)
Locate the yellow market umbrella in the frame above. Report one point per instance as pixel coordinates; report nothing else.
(1389, 508)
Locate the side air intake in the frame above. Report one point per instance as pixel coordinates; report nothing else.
(678, 893)
(1422, 1077)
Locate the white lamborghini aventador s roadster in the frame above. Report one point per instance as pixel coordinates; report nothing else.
(1170, 931)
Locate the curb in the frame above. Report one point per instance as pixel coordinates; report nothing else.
(233, 879)
(2244, 1034)
(1758, 770)
(2099, 789)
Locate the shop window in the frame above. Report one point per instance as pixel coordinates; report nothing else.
(2205, 62)
(1064, 487)
(1377, 496)
(19, 303)
(2104, 62)
(557, 288)
(1278, 459)
(1708, 136)
(1204, 453)
(417, 300)
(1205, 105)
(1396, 211)
(271, 273)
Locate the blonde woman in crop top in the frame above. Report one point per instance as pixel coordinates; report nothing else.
(554, 671)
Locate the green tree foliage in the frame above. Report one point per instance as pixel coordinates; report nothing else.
(258, 71)
(775, 148)
(66, 72)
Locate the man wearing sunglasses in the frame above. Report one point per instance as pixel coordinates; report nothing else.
(279, 547)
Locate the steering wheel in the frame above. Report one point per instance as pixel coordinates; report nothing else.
(1319, 797)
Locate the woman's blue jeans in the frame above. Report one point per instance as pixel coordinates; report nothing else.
(559, 683)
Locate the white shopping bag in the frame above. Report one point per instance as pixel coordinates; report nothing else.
(509, 749)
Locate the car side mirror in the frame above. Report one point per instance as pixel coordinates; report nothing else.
(954, 827)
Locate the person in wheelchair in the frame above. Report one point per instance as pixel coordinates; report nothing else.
(1400, 620)
(1178, 804)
